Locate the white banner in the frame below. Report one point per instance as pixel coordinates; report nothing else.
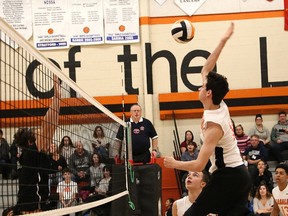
(50, 24)
(121, 21)
(17, 13)
(189, 7)
(86, 22)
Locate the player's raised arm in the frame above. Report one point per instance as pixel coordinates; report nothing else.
(49, 124)
(212, 59)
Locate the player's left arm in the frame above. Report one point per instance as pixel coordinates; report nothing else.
(212, 136)
(49, 124)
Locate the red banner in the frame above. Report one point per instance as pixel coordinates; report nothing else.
(286, 15)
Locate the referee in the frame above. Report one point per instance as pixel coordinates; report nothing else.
(142, 130)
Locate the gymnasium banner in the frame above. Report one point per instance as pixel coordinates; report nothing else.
(121, 21)
(50, 24)
(86, 26)
(18, 14)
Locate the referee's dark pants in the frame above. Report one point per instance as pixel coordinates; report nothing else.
(226, 194)
(144, 157)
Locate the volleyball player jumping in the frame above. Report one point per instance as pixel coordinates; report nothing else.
(227, 192)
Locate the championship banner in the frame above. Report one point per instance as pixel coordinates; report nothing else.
(18, 14)
(121, 21)
(86, 26)
(50, 24)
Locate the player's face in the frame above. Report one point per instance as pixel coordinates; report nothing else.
(202, 91)
(280, 176)
(193, 180)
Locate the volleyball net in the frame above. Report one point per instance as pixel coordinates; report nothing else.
(27, 85)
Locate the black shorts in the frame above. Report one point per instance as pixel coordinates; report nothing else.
(225, 194)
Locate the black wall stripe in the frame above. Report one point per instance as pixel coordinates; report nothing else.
(230, 102)
(71, 110)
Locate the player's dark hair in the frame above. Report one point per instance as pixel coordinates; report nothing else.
(23, 135)
(206, 176)
(218, 85)
(282, 166)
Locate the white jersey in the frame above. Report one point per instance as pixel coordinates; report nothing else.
(182, 205)
(68, 190)
(281, 198)
(227, 151)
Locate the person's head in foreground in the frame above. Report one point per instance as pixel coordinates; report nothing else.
(215, 87)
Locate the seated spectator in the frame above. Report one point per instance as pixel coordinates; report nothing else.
(57, 165)
(253, 154)
(102, 191)
(96, 168)
(189, 137)
(80, 164)
(263, 201)
(191, 153)
(243, 140)
(261, 131)
(4, 156)
(66, 148)
(263, 176)
(101, 143)
(194, 182)
(168, 204)
(279, 137)
(67, 190)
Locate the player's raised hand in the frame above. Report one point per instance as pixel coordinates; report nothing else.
(229, 32)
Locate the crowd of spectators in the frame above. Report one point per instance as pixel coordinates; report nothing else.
(74, 174)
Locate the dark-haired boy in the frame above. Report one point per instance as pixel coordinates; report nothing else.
(280, 192)
(67, 190)
(227, 192)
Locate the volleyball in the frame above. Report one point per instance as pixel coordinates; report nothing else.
(183, 31)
